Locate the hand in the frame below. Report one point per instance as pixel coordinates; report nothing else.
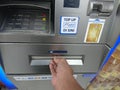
(60, 70)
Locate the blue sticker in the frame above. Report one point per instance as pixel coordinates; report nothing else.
(69, 25)
(89, 75)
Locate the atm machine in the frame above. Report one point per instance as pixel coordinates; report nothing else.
(33, 31)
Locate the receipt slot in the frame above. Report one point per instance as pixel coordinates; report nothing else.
(100, 7)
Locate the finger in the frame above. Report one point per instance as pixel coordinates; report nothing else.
(54, 63)
(52, 69)
(55, 60)
(59, 59)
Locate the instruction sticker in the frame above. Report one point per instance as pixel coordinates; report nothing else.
(94, 30)
(32, 78)
(69, 25)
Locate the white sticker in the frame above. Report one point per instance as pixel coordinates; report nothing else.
(31, 78)
(94, 30)
(69, 25)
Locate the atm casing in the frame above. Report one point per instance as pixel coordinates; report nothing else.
(17, 45)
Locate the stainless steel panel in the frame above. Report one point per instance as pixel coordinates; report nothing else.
(16, 59)
(115, 29)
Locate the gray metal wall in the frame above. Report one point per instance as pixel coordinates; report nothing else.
(115, 29)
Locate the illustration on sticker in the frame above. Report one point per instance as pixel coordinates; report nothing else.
(94, 30)
(69, 25)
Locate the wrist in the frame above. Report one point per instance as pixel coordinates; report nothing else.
(63, 81)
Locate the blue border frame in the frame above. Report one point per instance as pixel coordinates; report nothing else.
(61, 26)
(6, 81)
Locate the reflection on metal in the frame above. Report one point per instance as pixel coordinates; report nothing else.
(118, 11)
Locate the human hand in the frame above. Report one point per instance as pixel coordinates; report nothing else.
(60, 70)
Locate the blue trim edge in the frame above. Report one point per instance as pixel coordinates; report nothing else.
(110, 52)
(88, 75)
(108, 55)
(5, 80)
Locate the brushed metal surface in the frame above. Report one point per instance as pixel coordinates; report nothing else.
(16, 56)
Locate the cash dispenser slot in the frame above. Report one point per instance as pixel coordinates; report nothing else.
(100, 7)
(45, 60)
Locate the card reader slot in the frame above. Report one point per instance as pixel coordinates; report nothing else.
(45, 60)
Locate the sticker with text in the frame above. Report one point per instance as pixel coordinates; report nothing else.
(69, 25)
(32, 78)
